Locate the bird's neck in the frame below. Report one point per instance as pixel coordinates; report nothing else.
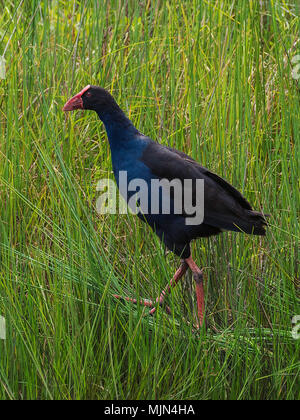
(118, 127)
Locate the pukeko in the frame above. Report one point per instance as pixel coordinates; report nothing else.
(225, 209)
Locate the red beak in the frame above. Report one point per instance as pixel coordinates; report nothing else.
(75, 102)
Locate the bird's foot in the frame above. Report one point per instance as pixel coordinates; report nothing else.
(197, 327)
(160, 300)
(146, 302)
(160, 303)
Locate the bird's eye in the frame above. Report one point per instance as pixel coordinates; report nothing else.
(88, 94)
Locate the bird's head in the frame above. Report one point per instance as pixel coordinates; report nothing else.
(91, 97)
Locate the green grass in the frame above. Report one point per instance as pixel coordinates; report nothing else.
(211, 78)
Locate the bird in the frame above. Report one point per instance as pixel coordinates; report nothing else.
(140, 157)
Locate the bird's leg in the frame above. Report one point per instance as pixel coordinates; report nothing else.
(198, 277)
(177, 276)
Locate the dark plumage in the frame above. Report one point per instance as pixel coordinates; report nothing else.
(224, 207)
